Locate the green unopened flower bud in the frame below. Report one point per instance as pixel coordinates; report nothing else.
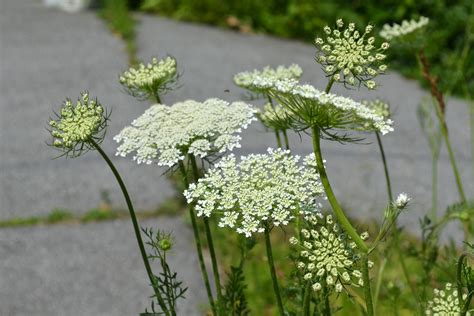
(144, 81)
(165, 244)
(77, 126)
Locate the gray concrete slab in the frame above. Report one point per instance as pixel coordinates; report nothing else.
(45, 56)
(84, 270)
(209, 57)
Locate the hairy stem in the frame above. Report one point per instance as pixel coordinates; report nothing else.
(197, 240)
(330, 194)
(379, 281)
(210, 242)
(326, 306)
(434, 187)
(277, 135)
(271, 266)
(329, 85)
(367, 292)
(440, 108)
(307, 300)
(136, 227)
(285, 137)
(385, 168)
(156, 95)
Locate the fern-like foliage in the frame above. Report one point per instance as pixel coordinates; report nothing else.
(170, 288)
(235, 302)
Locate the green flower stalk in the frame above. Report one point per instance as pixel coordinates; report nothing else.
(351, 57)
(80, 128)
(382, 109)
(150, 80)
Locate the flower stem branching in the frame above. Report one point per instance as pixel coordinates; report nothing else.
(271, 265)
(136, 227)
(210, 243)
(197, 240)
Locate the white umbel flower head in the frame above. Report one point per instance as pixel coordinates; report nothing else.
(326, 255)
(76, 126)
(325, 110)
(166, 134)
(402, 201)
(260, 190)
(380, 107)
(246, 79)
(445, 302)
(406, 28)
(145, 81)
(349, 56)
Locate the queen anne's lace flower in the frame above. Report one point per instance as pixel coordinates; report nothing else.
(245, 79)
(350, 57)
(77, 125)
(445, 302)
(260, 190)
(324, 110)
(390, 32)
(166, 134)
(380, 107)
(275, 117)
(145, 81)
(326, 255)
(402, 201)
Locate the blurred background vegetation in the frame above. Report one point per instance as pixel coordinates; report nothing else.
(448, 32)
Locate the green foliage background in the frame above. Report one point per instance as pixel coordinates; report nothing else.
(303, 19)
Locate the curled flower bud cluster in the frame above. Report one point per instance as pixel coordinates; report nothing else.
(275, 117)
(324, 110)
(166, 134)
(145, 81)
(326, 255)
(350, 57)
(259, 191)
(246, 79)
(76, 125)
(390, 32)
(445, 302)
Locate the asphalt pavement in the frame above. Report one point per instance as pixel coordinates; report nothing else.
(95, 269)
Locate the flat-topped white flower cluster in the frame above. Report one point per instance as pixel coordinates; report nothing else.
(380, 107)
(261, 189)
(323, 109)
(149, 78)
(351, 57)
(390, 32)
(246, 79)
(326, 255)
(166, 134)
(445, 302)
